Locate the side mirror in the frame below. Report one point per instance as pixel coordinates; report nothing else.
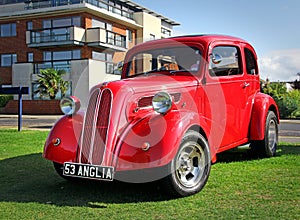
(216, 58)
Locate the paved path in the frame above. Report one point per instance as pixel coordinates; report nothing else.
(289, 130)
(43, 122)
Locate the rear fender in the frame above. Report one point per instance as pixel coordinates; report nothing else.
(262, 104)
(62, 142)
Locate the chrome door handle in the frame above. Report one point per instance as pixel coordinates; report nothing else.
(246, 84)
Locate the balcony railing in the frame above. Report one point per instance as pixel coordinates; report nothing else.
(120, 9)
(55, 36)
(50, 35)
(117, 10)
(115, 39)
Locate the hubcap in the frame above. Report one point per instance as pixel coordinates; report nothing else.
(190, 164)
(272, 135)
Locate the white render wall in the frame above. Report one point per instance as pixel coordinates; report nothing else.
(151, 26)
(21, 76)
(84, 75)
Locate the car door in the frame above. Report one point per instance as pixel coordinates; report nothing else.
(228, 90)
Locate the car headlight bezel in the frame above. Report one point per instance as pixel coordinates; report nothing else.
(70, 105)
(162, 102)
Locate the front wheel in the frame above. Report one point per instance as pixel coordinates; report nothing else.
(190, 168)
(267, 147)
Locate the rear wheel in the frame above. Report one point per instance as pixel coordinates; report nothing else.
(190, 169)
(267, 147)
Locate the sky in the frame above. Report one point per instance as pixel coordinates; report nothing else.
(271, 26)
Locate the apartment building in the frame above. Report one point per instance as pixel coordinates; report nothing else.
(86, 38)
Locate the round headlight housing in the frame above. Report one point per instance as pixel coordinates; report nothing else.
(162, 102)
(70, 105)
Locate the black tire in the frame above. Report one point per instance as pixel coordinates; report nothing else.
(189, 170)
(268, 146)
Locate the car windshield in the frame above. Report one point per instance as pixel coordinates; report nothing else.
(170, 60)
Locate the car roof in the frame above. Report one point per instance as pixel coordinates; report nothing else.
(203, 38)
(208, 37)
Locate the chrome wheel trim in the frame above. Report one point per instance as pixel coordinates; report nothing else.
(190, 164)
(272, 135)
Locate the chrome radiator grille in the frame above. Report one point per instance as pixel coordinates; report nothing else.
(94, 134)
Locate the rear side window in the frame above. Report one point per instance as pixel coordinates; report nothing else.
(225, 61)
(251, 64)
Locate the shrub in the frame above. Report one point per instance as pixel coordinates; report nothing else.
(288, 102)
(4, 99)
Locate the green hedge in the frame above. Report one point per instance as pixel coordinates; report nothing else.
(288, 101)
(4, 100)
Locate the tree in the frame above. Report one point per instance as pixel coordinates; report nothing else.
(50, 82)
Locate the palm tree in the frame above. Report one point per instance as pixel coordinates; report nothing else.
(50, 82)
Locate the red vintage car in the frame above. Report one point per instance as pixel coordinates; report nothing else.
(180, 102)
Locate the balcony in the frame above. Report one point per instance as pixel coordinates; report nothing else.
(120, 9)
(49, 37)
(76, 36)
(98, 37)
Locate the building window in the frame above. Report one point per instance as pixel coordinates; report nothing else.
(115, 7)
(105, 57)
(62, 22)
(98, 56)
(8, 30)
(165, 31)
(102, 56)
(129, 35)
(29, 26)
(100, 24)
(30, 57)
(58, 60)
(62, 55)
(8, 60)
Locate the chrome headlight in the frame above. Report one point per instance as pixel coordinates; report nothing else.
(70, 105)
(162, 102)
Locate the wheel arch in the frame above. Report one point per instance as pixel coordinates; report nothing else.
(263, 103)
(201, 131)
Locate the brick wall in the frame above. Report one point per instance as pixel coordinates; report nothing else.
(34, 107)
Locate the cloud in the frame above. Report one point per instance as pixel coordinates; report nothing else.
(280, 65)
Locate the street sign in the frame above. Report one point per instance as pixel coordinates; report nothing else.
(16, 91)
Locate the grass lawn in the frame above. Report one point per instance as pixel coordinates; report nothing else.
(238, 188)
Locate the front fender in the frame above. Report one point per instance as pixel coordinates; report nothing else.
(68, 130)
(262, 104)
(163, 133)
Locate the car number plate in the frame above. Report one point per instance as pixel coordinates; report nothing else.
(88, 171)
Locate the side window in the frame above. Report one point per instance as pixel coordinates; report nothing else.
(225, 61)
(251, 64)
